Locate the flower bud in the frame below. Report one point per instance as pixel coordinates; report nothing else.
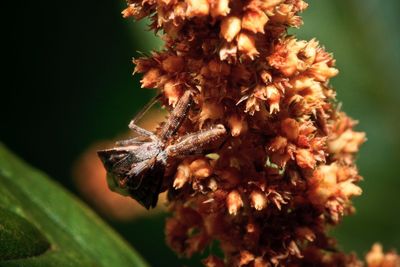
(245, 258)
(279, 143)
(305, 159)
(200, 168)
(305, 233)
(230, 27)
(347, 142)
(237, 125)
(254, 20)
(246, 45)
(228, 52)
(260, 262)
(258, 200)
(211, 110)
(213, 261)
(266, 76)
(128, 12)
(151, 78)
(172, 92)
(270, 4)
(273, 98)
(322, 72)
(323, 184)
(234, 202)
(349, 189)
(375, 257)
(172, 64)
(197, 8)
(290, 128)
(182, 175)
(219, 8)
(301, 82)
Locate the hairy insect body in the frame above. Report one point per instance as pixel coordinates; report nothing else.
(136, 166)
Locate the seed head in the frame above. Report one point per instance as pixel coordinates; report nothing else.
(286, 172)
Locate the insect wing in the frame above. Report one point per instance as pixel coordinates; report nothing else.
(117, 161)
(146, 186)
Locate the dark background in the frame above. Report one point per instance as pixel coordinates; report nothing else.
(66, 82)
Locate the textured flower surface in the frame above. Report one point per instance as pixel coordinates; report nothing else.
(286, 173)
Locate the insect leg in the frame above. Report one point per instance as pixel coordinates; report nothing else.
(141, 131)
(177, 116)
(198, 142)
(129, 142)
(146, 108)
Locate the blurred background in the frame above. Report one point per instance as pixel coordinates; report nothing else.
(67, 85)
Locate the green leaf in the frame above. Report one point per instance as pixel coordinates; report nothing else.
(41, 224)
(19, 238)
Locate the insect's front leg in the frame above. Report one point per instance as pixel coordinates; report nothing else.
(129, 142)
(146, 108)
(177, 116)
(198, 142)
(141, 131)
(132, 125)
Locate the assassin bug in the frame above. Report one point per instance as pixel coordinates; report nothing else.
(136, 167)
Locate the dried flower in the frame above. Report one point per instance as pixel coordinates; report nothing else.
(376, 258)
(230, 27)
(286, 172)
(234, 202)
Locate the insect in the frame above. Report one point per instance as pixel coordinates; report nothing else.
(136, 167)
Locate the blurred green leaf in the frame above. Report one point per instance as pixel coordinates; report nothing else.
(19, 238)
(43, 225)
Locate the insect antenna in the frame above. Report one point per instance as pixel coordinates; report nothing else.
(146, 108)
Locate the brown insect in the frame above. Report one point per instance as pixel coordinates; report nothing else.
(136, 166)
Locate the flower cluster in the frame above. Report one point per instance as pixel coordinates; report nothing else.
(286, 171)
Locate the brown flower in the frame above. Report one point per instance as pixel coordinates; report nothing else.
(286, 172)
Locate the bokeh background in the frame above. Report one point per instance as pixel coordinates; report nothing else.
(66, 84)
